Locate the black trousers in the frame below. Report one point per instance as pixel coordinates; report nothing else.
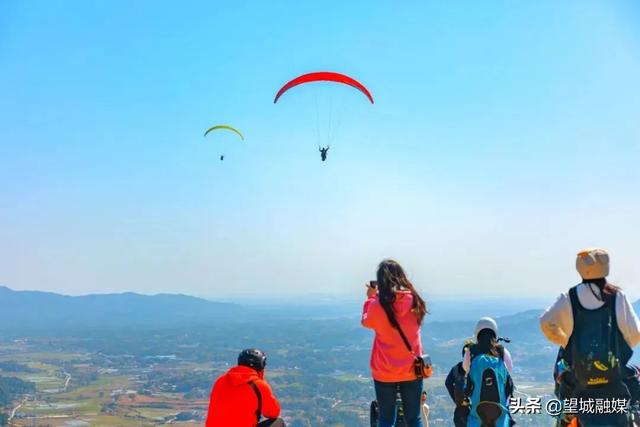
(460, 415)
(275, 422)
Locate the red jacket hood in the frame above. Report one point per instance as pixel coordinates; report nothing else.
(240, 375)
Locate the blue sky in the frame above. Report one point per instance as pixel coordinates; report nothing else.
(504, 138)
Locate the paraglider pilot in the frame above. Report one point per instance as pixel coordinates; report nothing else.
(323, 152)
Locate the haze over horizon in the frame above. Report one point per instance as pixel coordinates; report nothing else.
(504, 138)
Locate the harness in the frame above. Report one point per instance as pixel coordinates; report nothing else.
(604, 315)
(596, 372)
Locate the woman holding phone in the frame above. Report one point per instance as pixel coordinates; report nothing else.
(392, 299)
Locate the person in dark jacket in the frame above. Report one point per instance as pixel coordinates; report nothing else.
(455, 384)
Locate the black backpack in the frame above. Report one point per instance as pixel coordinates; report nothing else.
(597, 351)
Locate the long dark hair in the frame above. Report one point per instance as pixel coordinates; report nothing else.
(604, 286)
(488, 344)
(392, 278)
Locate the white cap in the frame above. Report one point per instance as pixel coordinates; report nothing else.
(486, 323)
(593, 263)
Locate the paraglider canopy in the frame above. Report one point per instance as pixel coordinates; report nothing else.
(225, 127)
(324, 76)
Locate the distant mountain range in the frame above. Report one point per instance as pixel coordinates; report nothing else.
(46, 310)
(35, 310)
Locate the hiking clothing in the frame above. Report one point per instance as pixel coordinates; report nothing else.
(233, 401)
(456, 386)
(424, 411)
(390, 359)
(466, 362)
(411, 395)
(461, 416)
(455, 378)
(583, 321)
(557, 322)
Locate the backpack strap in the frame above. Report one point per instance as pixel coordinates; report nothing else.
(575, 302)
(610, 302)
(510, 387)
(614, 343)
(256, 390)
(575, 309)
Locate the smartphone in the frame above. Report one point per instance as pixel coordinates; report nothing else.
(373, 284)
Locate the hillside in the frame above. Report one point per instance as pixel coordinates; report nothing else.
(45, 310)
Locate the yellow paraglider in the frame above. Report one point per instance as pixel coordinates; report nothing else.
(226, 127)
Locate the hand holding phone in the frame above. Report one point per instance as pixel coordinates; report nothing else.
(372, 289)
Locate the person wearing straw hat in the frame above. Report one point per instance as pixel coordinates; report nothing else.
(597, 327)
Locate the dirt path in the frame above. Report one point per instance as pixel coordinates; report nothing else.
(66, 381)
(16, 408)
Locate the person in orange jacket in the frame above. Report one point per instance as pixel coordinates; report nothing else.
(241, 397)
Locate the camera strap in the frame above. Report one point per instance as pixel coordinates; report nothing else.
(396, 326)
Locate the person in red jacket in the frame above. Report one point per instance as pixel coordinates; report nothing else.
(241, 397)
(393, 296)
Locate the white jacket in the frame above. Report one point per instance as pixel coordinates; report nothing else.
(557, 322)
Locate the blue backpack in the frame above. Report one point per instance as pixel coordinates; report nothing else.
(489, 388)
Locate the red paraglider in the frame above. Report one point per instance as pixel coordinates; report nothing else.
(324, 76)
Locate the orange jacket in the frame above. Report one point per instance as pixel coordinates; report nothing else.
(234, 403)
(390, 360)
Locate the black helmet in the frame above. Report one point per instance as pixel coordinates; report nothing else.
(253, 358)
